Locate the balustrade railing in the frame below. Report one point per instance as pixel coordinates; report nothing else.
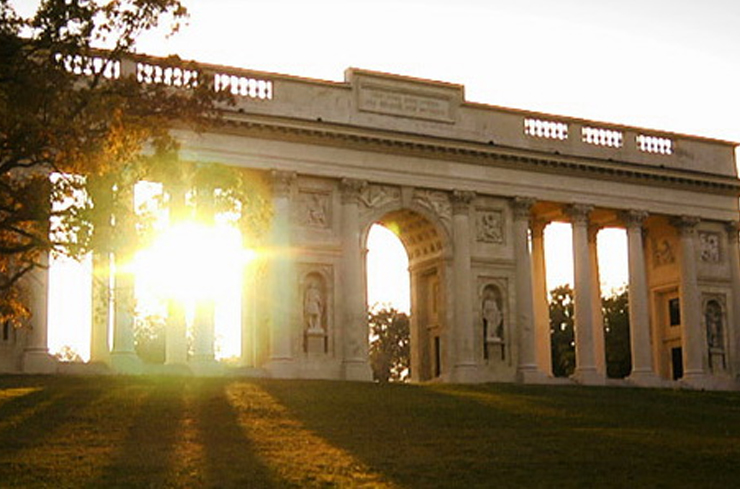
(152, 72)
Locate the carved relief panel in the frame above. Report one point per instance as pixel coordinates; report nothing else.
(709, 247)
(373, 197)
(489, 224)
(314, 209)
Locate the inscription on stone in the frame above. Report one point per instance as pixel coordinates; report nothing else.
(393, 102)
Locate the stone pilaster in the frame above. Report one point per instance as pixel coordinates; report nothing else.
(527, 370)
(281, 278)
(693, 337)
(464, 366)
(543, 348)
(639, 314)
(733, 254)
(586, 371)
(355, 363)
(597, 320)
(36, 358)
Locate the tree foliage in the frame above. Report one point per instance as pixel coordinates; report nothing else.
(617, 334)
(390, 353)
(562, 342)
(63, 113)
(615, 310)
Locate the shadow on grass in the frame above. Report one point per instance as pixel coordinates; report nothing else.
(31, 419)
(522, 436)
(230, 457)
(152, 431)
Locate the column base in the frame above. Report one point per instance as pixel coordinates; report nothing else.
(39, 362)
(465, 374)
(126, 362)
(205, 366)
(588, 376)
(645, 378)
(357, 370)
(532, 375)
(696, 380)
(281, 368)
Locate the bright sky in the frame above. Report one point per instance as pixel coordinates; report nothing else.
(662, 64)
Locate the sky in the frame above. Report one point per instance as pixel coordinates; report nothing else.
(670, 65)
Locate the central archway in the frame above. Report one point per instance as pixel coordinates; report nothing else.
(426, 244)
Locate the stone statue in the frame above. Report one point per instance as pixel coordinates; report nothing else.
(713, 317)
(492, 317)
(313, 308)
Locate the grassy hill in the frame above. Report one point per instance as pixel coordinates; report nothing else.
(177, 432)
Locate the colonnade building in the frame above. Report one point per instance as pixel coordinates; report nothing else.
(469, 190)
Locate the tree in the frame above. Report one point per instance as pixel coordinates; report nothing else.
(615, 310)
(617, 334)
(390, 354)
(561, 331)
(68, 109)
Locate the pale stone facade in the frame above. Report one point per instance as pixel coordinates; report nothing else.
(469, 189)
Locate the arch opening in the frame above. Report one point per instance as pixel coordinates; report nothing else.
(405, 271)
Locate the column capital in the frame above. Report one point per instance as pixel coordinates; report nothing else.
(578, 213)
(282, 181)
(461, 200)
(732, 227)
(593, 231)
(538, 225)
(634, 218)
(686, 225)
(351, 189)
(522, 207)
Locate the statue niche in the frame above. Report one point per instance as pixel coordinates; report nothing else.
(314, 314)
(713, 318)
(493, 320)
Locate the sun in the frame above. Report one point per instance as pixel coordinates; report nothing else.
(191, 261)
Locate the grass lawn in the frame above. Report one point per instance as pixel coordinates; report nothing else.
(177, 432)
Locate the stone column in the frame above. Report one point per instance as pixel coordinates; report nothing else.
(543, 347)
(639, 313)
(281, 279)
(99, 349)
(355, 334)
(525, 309)
(36, 358)
(733, 253)
(586, 371)
(464, 367)
(203, 360)
(693, 337)
(248, 315)
(597, 321)
(123, 354)
(176, 345)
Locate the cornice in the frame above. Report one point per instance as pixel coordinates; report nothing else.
(431, 147)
